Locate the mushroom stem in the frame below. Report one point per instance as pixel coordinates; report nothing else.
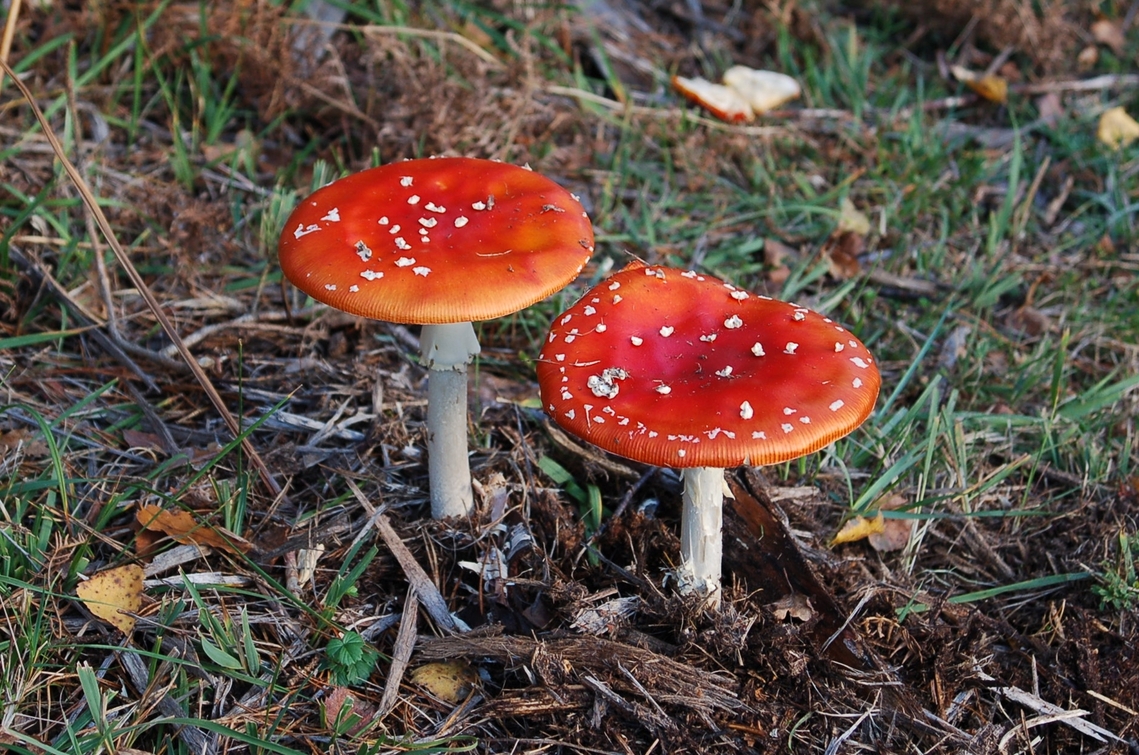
(701, 521)
(447, 350)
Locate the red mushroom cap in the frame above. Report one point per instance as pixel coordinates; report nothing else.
(678, 369)
(433, 241)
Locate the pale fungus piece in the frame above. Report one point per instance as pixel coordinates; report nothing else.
(340, 247)
(704, 403)
(762, 90)
(724, 102)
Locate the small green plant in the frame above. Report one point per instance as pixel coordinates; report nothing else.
(350, 659)
(1119, 585)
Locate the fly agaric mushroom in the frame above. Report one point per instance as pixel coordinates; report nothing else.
(677, 369)
(438, 242)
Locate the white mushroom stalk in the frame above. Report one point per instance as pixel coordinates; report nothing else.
(446, 351)
(701, 532)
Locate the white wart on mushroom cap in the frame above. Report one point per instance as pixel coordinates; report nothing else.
(677, 369)
(434, 241)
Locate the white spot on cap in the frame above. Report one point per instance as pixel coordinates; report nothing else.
(759, 435)
(689, 274)
(303, 230)
(636, 340)
(746, 412)
(589, 311)
(566, 319)
(800, 315)
(757, 349)
(405, 262)
(681, 453)
(836, 405)
(421, 271)
(560, 357)
(857, 382)
(790, 347)
(605, 384)
(805, 420)
(330, 286)
(726, 372)
(394, 229)
(601, 327)
(371, 275)
(413, 199)
(363, 251)
(432, 207)
(614, 285)
(570, 414)
(860, 362)
(480, 206)
(616, 298)
(739, 295)
(838, 347)
(787, 427)
(461, 221)
(789, 411)
(667, 331)
(708, 338)
(663, 389)
(853, 344)
(405, 181)
(733, 322)
(401, 243)
(428, 223)
(353, 288)
(333, 215)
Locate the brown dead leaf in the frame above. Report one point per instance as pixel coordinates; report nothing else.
(1030, 321)
(1109, 33)
(1087, 58)
(795, 605)
(841, 252)
(859, 528)
(182, 526)
(25, 440)
(140, 440)
(1117, 129)
(113, 595)
(775, 255)
(992, 88)
(1050, 107)
(450, 681)
(896, 533)
(343, 708)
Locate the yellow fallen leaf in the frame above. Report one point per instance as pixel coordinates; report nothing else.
(850, 218)
(182, 526)
(993, 88)
(113, 595)
(858, 528)
(450, 681)
(1116, 128)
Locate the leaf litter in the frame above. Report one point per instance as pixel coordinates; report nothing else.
(816, 648)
